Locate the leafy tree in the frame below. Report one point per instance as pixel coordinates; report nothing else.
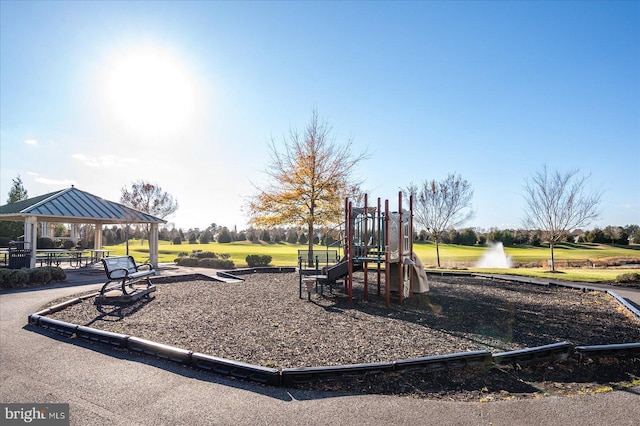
(558, 203)
(120, 234)
(11, 230)
(206, 237)
(224, 236)
(310, 176)
(503, 236)
(252, 235)
(634, 233)
(442, 205)
(109, 236)
(303, 240)
(468, 237)
(595, 236)
(616, 234)
(535, 239)
(265, 236)
(193, 238)
(292, 236)
(17, 191)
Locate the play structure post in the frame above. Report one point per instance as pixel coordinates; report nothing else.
(300, 274)
(387, 271)
(346, 237)
(366, 248)
(317, 272)
(350, 255)
(379, 241)
(411, 242)
(400, 250)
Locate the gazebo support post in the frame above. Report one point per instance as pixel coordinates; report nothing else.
(153, 245)
(97, 236)
(31, 237)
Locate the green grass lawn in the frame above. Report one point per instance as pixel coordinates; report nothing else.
(524, 254)
(451, 256)
(586, 275)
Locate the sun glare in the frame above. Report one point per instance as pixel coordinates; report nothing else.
(149, 91)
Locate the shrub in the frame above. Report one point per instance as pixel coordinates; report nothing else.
(68, 244)
(177, 240)
(258, 260)
(215, 263)
(45, 243)
(633, 277)
(14, 278)
(4, 276)
(186, 261)
(205, 255)
(40, 276)
(19, 278)
(57, 273)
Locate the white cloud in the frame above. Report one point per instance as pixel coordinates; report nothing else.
(63, 182)
(32, 174)
(31, 142)
(103, 160)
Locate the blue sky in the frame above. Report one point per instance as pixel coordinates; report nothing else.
(188, 95)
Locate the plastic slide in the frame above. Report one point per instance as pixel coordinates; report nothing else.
(420, 281)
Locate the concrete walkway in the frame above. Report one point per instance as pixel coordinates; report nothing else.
(106, 386)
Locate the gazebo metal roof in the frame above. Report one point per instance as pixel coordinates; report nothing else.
(72, 205)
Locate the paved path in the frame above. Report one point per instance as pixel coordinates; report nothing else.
(105, 386)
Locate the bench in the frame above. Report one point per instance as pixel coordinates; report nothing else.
(123, 269)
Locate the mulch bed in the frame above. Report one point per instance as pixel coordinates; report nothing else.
(263, 321)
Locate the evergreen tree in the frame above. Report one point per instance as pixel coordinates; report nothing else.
(17, 191)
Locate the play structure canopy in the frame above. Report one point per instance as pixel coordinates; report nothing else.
(72, 205)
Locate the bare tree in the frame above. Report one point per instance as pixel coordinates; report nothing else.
(439, 206)
(148, 198)
(310, 176)
(558, 203)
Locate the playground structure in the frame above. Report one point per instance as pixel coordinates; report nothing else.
(380, 240)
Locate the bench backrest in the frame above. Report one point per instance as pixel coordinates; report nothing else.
(114, 265)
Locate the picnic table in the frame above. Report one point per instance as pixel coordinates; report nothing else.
(53, 257)
(98, 254)
(75, 257)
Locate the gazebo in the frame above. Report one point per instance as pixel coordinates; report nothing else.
(74, 206)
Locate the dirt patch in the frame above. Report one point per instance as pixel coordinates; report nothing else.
(262, 321)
